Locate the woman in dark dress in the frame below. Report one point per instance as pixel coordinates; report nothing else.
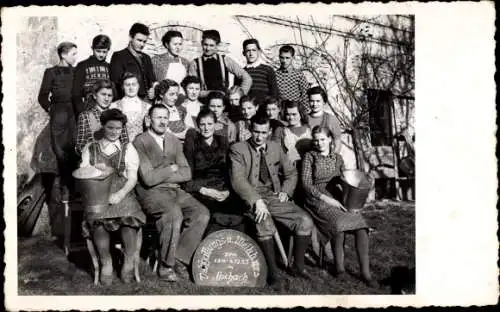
(123, 212)
(321, 170)
(206, 154)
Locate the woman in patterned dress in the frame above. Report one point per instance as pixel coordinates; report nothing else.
(321, 170)
(166, 93)
(248, 110)
(123, 212)
(132, 106)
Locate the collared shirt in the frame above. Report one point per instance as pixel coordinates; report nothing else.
(292, 85)
(158, 138)
(88, 124)
(205, 58)
(254, 64)
(136, 110)
(131, 158)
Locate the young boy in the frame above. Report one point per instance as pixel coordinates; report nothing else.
(213, 68)
(89, 71)
(133, 60)
(263, 77)
(292, 84)
(191, 86)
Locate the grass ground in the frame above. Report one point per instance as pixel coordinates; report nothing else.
(44, 269)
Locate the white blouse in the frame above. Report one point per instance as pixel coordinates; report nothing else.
(131, 157)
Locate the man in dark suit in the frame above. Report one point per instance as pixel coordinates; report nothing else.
(162, 167)
(254, 168)
(132, 59)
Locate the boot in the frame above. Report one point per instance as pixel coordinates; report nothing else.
(268, 250)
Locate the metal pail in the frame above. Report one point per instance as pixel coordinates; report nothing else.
(356, 186)
(95, 190)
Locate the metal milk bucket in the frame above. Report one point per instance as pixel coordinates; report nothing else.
(95, 190)
(356, 186)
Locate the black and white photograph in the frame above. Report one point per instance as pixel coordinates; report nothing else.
(208, 151)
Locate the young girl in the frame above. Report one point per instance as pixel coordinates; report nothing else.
(321, 169)
(123, 212)
(272, 108)
(192, 87)
(132, 106)
(233, 110)
(166, 93)
(88, 120)
(296, 137)
(248, 110)
(223, 126)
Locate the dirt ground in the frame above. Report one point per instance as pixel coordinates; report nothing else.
(44, 269)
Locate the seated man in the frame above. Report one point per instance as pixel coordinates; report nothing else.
(254, 167)
(162, 167)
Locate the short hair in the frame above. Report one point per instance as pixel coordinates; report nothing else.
(102, 84)
(113, 114)
(216, 95)
(205, 112)
(101, 42)
(251, 41)
(189, 80)
(269, 100)
(64, 48)
(322, 129)
(169, 35)
(287, 49)
(127, 75)
(138, 28)
(317, 90)
(163, 86)
(155, 106)
(247, 98)
(235, 89)
(287, 104)
(211, 34)
(259, 119)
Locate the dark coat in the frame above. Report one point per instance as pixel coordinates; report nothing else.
(123, 61)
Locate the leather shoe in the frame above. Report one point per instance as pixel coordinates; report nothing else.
(302, 273)
(167, 274)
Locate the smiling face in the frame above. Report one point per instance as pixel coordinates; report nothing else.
(103, 98)
(285, 59)
(316, 103)
(70, 56)
(131, 87)
(272, 111)
(259, 133)
(292, 116)
(159, 120)
(216, 106)
(248, 109)
(193, 91)
(175, 46)
(251, 53)
(322, 142)
(207, 127)
(112, 130)
(138, 42)
(209, 47)
(100, 54)
(170, 97)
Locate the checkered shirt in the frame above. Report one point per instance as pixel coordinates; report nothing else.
(292, 85)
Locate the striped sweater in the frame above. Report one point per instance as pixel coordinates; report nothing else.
(263, 82)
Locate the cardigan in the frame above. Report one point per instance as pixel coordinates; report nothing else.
(244, 170)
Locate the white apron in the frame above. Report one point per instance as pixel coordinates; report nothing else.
(176, 72)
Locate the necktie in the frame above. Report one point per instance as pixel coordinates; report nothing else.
(263, 170)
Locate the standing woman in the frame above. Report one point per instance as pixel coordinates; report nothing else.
(170, 65)
(55, 99)
(89, 120)
(223, 126)
(123, 212)
(248, 110)
(296, 137)
(167, 93)
(132, 105)
(321, 169)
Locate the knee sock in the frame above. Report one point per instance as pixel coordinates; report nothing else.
(362, 249)
(301, 244)
(338, 250)
(268, 249)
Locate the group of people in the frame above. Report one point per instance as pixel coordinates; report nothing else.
(187, 147)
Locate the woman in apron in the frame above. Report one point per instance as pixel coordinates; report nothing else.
(123, 212)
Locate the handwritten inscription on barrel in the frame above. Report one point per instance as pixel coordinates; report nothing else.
(229, 258)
